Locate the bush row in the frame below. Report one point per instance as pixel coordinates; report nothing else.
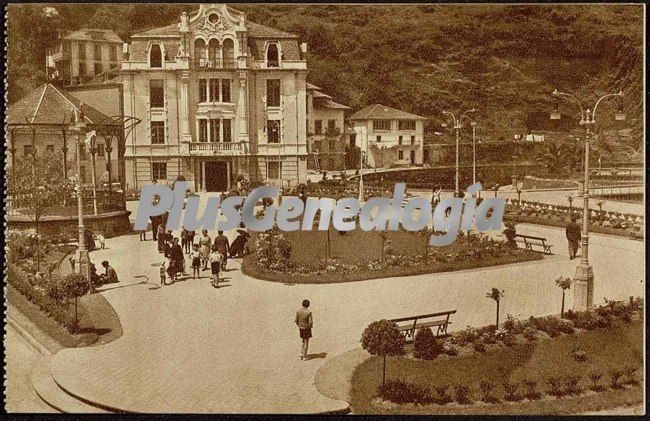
(402, 392)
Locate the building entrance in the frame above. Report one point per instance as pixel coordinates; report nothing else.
(216, 176)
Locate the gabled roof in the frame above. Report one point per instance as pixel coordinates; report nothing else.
(92, 34)
(319, 94)
(328, 103)
(311, 87)
(382, 112)
(48, 104)
(255, 30)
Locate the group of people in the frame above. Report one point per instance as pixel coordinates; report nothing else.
(206, 253)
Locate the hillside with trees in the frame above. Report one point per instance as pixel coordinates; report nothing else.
(504, 60)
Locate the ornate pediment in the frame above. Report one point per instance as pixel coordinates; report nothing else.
(216, 18)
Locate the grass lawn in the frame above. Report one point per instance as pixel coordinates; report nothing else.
(309, 250)
(606, 349)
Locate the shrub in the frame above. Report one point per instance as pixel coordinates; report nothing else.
(587, 320)
(505, 336)
(18, 279)
(530, 333)
(399, 391)
(449, 348)
(579, 355)
(511, 393)
(531, 390)
(441, 396)
(555, 387)
(486, 389)
(462, 394)
(465, 337)
(572, 384)
(425, 345)
(595, 378)
(479, 345)
(615, 375)
(513, 325)
(629, 371)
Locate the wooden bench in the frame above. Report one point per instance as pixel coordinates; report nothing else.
(529, 241)
(439, 320)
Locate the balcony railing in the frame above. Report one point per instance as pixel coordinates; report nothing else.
(217, 148)
(204, 63)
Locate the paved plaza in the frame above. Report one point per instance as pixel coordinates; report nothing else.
(190, 347)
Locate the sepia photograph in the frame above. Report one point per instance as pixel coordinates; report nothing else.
(325, 209)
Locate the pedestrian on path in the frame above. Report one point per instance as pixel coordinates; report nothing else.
(160, 237)
(573, 234)
(195, 259)
(163, 273)
(305, 322)
(190, 240)
(176, 253)
(101, 240)
(143, 235)
(205, 242)
(215, 266)
(184, 240)
(109, 276)
(222, 244)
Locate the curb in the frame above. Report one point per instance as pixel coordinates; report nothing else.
(28, 337)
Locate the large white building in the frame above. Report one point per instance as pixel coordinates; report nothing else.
(389, 137)
(220, 98)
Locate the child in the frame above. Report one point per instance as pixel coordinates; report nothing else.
(143, 235)
(163, 273)
(195, 258)
(215, 259)
(171, 270)
(102, 240)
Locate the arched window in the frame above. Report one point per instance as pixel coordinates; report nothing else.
(155, 56)
(199, 52)
(228, 53)
(272, 56)
(214, 53)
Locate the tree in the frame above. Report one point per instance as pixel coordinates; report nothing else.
(38, 186)
(74, 285)
(383, 338)
(426, 232)
(384, 236)
(425, 345)
(564, 283)
(496, 295)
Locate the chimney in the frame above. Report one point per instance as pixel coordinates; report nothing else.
(303, 50)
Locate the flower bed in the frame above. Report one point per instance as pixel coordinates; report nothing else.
(606, 222)
(301, 257)
(594, 361)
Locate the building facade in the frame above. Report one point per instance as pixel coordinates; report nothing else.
(388, 137)
(220, 98)
(325, 131)
(81, 55)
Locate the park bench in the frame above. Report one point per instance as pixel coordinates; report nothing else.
(529, 241)
(439, 320)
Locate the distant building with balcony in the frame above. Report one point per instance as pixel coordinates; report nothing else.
(81, 55)
(389, 137)
(326, 141)
(220, 98)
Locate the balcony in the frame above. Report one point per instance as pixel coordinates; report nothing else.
(204, 63)
(217, 148)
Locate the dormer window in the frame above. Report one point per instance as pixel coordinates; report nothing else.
(155, 56)
(272, 56)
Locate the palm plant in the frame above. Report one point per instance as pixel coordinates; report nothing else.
(564, 283)
(496, 295)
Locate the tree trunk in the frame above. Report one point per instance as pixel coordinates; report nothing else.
(38, 249)
(497, 314)
(562, 311)
(383, 378)
(75, 314)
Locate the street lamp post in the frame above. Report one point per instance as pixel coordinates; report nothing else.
(457, 127)
(473, 124)
(82, 262)
(584, 277)
(93, 152)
